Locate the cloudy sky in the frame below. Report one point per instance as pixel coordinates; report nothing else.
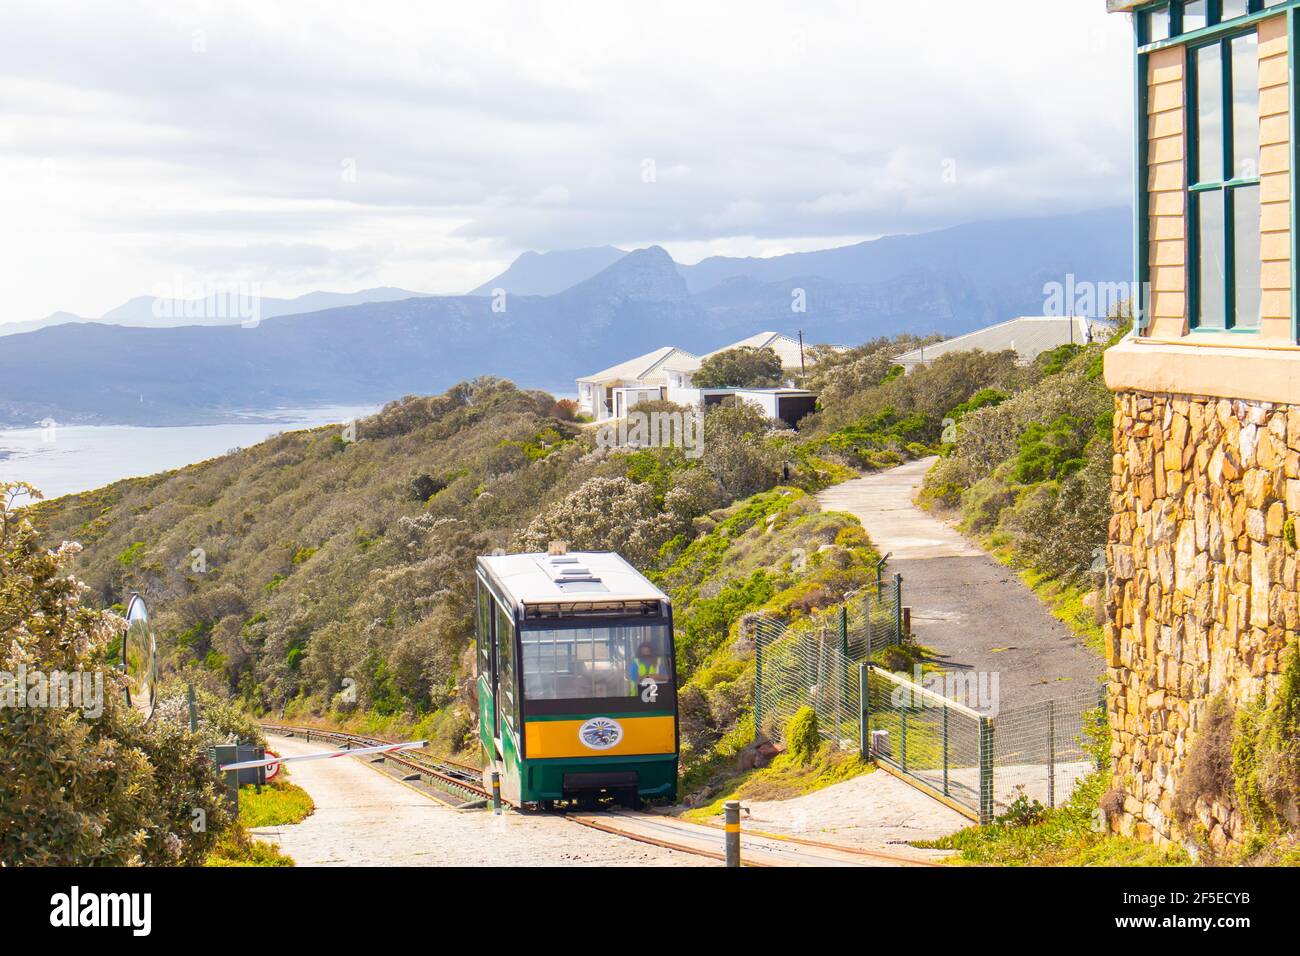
(341, 145)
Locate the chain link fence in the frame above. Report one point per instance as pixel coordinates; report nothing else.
(940, 744)
(1042, 750)
(800, 664)
(873, 618)
(981, 763)
(975, 758)
(813, 661)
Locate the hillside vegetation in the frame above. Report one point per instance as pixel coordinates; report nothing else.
(331, 580)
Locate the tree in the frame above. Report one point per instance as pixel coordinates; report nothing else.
(735, 450)
(86, 781)
(744, 367)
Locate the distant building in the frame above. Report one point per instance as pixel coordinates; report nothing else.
(1028, 336)
(666, 373)
(611, 392)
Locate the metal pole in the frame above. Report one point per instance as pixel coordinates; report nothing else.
(496, 792)
(898, 608)
(945, 751)
(903, 714)
(1105, 717)
(864, 712)
(758, 682)
(194, 710)
(986, 770)
(844, 629)
(732, 808)
(1051, 753)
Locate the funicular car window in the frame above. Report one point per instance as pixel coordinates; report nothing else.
(484, 635)
(506, 661)
(585, 663)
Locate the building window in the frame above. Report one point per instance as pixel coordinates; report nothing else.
(1161, 21)
(1155, 25)
(1231, 9)
(1196, 15)
(1223, 182)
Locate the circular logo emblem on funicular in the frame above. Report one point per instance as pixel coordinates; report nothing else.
(600, 733)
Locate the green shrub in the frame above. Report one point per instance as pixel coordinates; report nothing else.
(984, 398)
(132, 554)
(802, 735)
(1266, 752)
(1048, 452)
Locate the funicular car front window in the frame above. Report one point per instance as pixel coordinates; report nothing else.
(586, 663)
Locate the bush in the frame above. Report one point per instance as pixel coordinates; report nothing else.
(735, 452)
(81, 788)
(739, 368)
(603, 514)
(1060, 527)
(1208, 770)
(1052, 451)
(802, 735)
(1266, 754)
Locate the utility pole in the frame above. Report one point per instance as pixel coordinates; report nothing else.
(803, 369)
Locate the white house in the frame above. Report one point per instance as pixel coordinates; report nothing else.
(611, 392)
(666, 374)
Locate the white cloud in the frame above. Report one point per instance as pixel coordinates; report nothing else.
(321, 144)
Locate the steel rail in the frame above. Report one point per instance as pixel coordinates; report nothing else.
(445, 772)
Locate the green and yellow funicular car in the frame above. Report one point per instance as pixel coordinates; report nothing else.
(576, 691)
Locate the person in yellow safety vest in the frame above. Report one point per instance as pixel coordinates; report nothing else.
(646, 664)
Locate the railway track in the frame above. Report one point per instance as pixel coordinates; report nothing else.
(756, 849)
(447, 773)
(656, 829)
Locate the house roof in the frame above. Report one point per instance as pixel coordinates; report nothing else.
(576, 576)
(638, 368)
(786, 348)
(1123, 6)
(1028, 336)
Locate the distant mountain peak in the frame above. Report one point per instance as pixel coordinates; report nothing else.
(648, 273)
(546, 273)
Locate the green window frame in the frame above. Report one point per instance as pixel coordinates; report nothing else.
(1164, 21)
(1222, 189)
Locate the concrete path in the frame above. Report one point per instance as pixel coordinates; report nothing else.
(973, 612)
(875, 811)
(365, 818)
(897, 525)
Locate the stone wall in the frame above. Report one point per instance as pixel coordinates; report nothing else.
(1202, 595)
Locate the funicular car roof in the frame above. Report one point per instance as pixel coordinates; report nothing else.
(531, 579)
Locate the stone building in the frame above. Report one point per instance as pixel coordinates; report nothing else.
(1202, 598)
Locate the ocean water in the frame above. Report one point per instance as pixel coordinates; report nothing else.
(69, 458)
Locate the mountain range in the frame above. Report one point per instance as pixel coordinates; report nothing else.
(562, 314)
(149, 311)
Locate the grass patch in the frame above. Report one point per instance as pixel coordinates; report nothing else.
(280, 803)
(239, 848)
(1065, 836)
(786, 778)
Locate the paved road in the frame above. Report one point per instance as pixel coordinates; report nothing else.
(976, 614)
(365, 818)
